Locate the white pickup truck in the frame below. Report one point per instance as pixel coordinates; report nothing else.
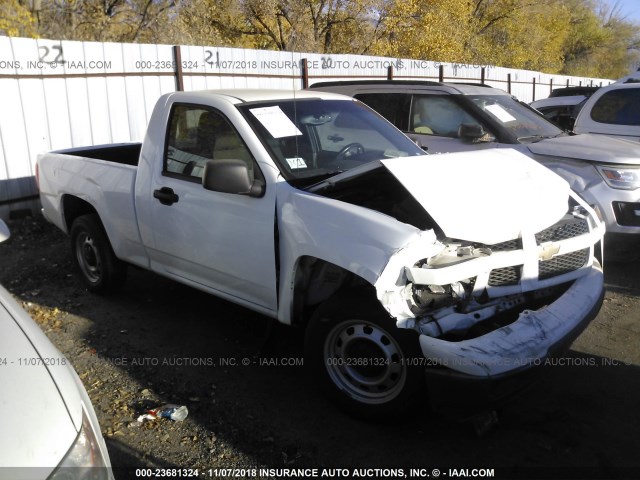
(312, 209)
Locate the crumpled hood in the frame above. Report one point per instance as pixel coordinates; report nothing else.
(592, 148)
(487, 196)
(37, 428)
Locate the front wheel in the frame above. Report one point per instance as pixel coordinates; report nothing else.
(361, 358)
(99, 267)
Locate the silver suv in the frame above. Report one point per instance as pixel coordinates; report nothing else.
(450, 117)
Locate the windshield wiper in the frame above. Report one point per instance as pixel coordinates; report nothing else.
(532, 138)
(311, 180)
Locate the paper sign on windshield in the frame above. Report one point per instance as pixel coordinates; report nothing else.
(275, 121)
(500, 113)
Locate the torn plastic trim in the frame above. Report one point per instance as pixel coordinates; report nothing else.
(453, 273)
(524, 342)
(390, 285)
(452, 319)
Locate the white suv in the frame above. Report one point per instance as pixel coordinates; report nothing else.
(613, 111)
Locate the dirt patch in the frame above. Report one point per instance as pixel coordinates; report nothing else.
(251, 405)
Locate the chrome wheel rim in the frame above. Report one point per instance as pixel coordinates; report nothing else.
(365, 362)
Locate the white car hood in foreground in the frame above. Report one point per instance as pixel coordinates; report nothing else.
(593, 148)
(37, 428)
(487, 196)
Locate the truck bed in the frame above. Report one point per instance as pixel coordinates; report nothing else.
(124, 153)
(100, 179)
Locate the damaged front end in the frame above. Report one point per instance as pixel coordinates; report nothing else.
(485, 310)
(499, 272)
(511, 273)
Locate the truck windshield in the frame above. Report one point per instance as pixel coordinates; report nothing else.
(312, 139)
(523, 123)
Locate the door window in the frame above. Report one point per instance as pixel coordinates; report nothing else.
(620, 107)
(437, 115)
(392, 106)
(196, 135)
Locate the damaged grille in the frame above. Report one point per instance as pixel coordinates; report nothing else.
(562, 264)
(506, 246)
(566, 228)
(502, 277)
(509, 245)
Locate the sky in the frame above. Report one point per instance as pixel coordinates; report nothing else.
(628, 8)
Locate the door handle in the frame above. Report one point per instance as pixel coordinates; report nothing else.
(166, 196)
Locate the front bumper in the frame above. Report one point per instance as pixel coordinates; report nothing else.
(500, 362)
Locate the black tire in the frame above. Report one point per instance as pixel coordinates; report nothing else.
(99, 267)
(353, 328)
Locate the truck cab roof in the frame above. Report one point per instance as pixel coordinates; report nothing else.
(248, 95)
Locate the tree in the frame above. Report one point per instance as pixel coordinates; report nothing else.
(105, 20)
(16, 19)
(577, 37)
(338, 26)
(433, 29)
(519, 34)
(510, 33)
(210, 22)
(601, 43)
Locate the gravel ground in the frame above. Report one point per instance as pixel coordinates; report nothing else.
(251, 405)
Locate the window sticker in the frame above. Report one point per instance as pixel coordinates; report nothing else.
(500, 113)
(296, 163)
(275, 121)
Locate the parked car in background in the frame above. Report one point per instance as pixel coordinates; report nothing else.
(563, 105)
(613, 111)
(448, 117)
(49, 428)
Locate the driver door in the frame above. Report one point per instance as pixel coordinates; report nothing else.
(212, 240)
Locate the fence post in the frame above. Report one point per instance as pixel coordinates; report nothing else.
(508, 83)
(567, 83)
(482, 76)
(177, 58)
(441, 73)
(550, 86)
(390, 72)
(534, 89)
(305, 73)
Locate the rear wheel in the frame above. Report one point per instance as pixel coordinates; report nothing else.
(100, 269)
(361, 358)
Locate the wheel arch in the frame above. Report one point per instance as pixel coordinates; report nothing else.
(74, 207)
(315, 280)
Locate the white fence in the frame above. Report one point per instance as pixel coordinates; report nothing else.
(61, 94)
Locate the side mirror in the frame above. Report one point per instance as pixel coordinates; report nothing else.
(4, 231)
(231, 176)
(470, 131)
